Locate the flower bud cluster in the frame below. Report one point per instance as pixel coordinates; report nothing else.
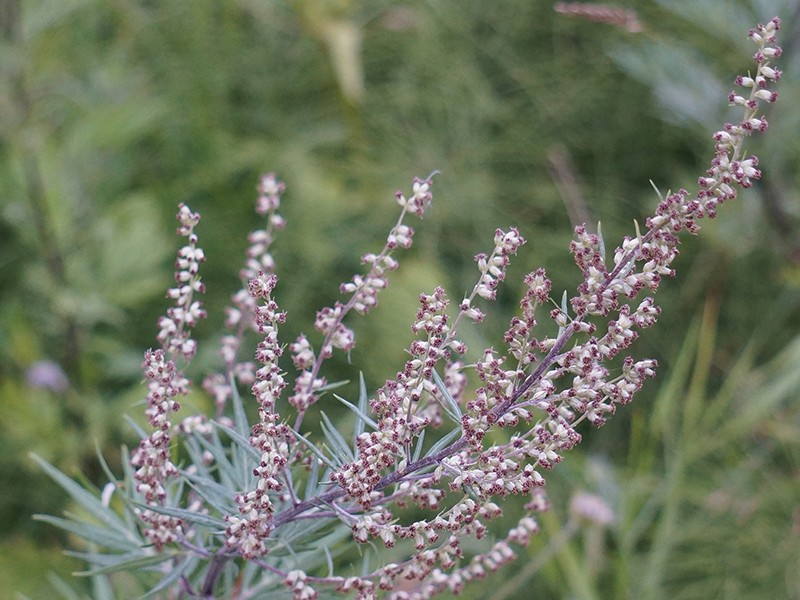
(296, 581)
(363, 291)
(400, 405)
(165, 383)
(519, 335)
(267, 204)
(175, 325)
(432, 571)
(240, 315)
(728, 168)
(493, 267)
(249, 531)
(420, 199)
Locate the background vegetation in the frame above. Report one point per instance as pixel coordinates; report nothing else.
(112, 112)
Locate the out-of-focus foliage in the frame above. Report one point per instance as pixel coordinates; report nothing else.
(112, 112)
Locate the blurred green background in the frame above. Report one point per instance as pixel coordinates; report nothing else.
(111, 112)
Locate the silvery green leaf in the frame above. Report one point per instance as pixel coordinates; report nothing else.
(418, 446)
(241, 450)
(192, 447)
(244, 455)
(61, 586)
(657, 191)
(225, 469)
(366, 559)
(253, 577)
(362, 408)
(361, 417)
(565, 310)
(126, 489)
(103, 559)
(329, 561)
(342, 451)
(313, 479)
(183, 568)
(84, 498)
(311, 538)
(187, 515)
(216, 495)
(103, 463)
(240, 421)
(135, 426)
(332, 386)
(446, 440)
(131, 562)
(101, 588)
(449, 405)
(602, 242)
(317, 451)
(106, 537)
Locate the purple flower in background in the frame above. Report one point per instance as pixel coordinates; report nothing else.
(47, 375)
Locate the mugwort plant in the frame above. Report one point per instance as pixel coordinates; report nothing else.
(214, 506)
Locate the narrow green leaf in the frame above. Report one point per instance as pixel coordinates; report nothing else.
(103, 559)
(240, 421)
(362, 409)
(225, 470)
(131, 563)
(61, 586)
(313, 479)
(103, 464)
(333, 386)
(108, 538)
(658, 192)
(126, 490)
(101, 588)
(88, 501)
(451, 436)
(240, 441)
(450, 406)
(187, 515)
(311, 446)
(361, 417)
(184, 567)
(564, 309)
(418, 446)
(329, 561)
(215, 494)
(602, 242)
(135, 426)
(337, 442)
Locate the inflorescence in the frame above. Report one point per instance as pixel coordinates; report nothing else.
(537, 389)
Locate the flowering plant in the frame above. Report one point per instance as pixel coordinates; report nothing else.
(216, 505)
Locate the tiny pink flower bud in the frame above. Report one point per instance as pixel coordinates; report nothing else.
(771, 73)
(767, 95)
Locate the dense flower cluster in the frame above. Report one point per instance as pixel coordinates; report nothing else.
(431, 498)
(248, 531)
(166, 383)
